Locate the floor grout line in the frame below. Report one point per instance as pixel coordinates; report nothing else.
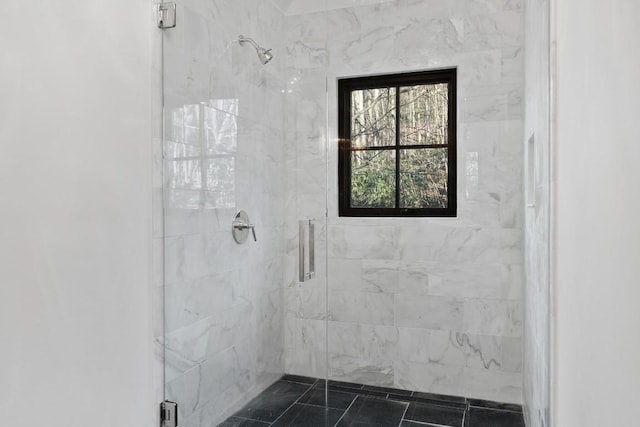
(403, 415)
(291, 406)
(362, 393)
(422, 423)
(250, 419)
(346, 410)
(495, 409)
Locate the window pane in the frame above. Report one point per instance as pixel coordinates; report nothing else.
(424, 114)
(423, 178)
(373, 179)
(373, 117)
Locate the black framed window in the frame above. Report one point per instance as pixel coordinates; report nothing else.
(397, 144)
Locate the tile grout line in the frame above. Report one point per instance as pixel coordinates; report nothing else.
(363, 392)
(298, 382)
(495, 409)
(423, 423)
(346, 410)
(291, 406)
(250, 419)
(403, 414)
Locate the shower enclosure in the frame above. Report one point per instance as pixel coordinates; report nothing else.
(262, 277)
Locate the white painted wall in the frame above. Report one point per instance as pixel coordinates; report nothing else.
(597, 206)
(75, 213)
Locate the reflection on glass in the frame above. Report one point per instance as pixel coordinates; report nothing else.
(423, 178)
(185, 174)
(220, 174)
(221, 131)
(373, 182)
(373, 117)
(200, 155)
(424, 114)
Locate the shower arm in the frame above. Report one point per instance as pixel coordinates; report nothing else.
(264, 55)
(242, 39)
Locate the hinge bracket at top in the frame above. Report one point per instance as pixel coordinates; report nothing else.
(168, 414)
(166, 15)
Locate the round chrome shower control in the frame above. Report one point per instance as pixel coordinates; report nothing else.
(240, 227)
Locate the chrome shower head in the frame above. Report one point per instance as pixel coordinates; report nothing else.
(264, 55)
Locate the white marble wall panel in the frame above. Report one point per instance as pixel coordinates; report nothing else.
(422, 304)
(428, 312)
(372, 342)
(362, 242)
(432, 377)
(361, 370)
(373, 308)
(454, 380)
(305, 346)
(493, 317)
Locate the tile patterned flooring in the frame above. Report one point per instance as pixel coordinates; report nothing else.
(296, 401)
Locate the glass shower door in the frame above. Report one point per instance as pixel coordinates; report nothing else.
(237, 317)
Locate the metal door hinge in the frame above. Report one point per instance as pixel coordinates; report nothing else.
(168, 414)
(166, 15)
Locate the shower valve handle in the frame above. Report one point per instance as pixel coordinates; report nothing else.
(245, 226)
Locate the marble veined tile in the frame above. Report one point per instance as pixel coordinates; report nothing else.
(482, 68)
(500, 30)
(498, 386)
(481, 7)
(431, 37)
(373, 342)
(413, 277)
(305, 346)
(374, 308)
(490, 281)
(483, 351)
(193, 344)
(428, 312)
(429, 377)
(484, 108)
(362, 242)
(459, 244)
(190, 302)
(369, 45)
(512, 65)
(380, 275)
(359, 370)
(493, 317)
(345, 274)
(511, 354)
(413, 344)
(449, 348)
(307, 300)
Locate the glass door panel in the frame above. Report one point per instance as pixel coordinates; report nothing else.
(236, 316)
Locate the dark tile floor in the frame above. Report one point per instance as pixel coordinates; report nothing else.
(296, 401)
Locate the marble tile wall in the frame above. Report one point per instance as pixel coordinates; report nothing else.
(422, 304)
(537, 216)
(223, 151)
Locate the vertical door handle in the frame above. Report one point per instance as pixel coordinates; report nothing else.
(306, 227)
